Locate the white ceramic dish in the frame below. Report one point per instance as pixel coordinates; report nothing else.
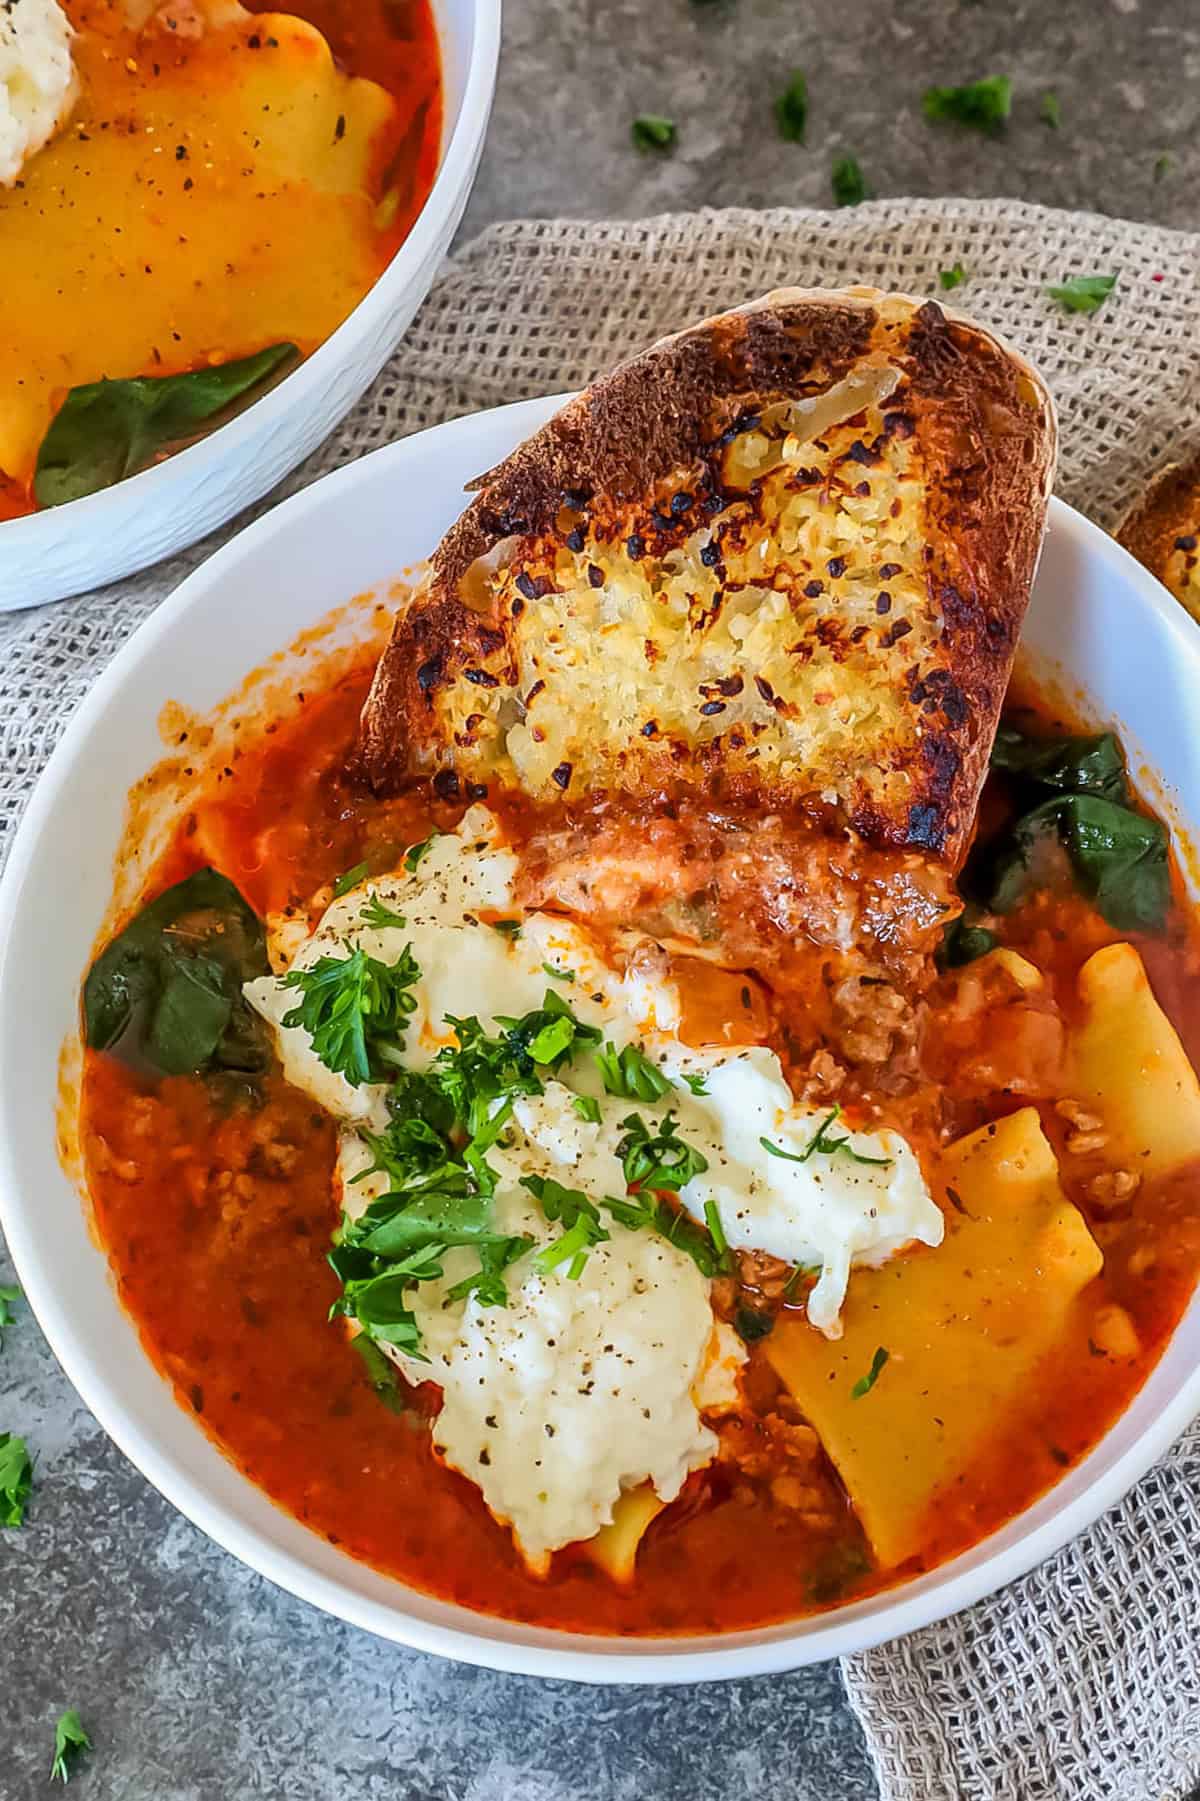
(1096, 614)
(65, 550)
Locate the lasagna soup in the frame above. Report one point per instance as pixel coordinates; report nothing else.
(575, 1248)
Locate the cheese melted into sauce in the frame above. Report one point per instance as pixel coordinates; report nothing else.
(594, 1385)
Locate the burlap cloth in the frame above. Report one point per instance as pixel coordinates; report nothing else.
(1082, 1681)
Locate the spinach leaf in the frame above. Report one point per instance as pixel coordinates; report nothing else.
(964, 941)
(1079, 765)
(1078, 793)
(167, 991)
(106, 430)
(1119, 858)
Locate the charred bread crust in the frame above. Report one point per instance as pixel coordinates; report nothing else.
(1163, 531)
(960, 434)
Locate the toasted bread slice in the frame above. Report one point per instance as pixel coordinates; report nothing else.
(775, 564)
(1163, 532)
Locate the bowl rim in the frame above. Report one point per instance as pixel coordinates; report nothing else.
(481, 1639)
(148, 487)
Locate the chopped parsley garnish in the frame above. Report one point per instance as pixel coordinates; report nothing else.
(549, 1036)
(355, 1009)
(415, 852)
(579, 1218)
(70, 1741)
(507, 928)
(382, 1374)
(1162, 165)
(791, 109)
(587, 1108)
(559, 975)
(647, 1209)
(866, 1383)
(349, 879)
(797, 1276)
(848, 182)
(444, 1121)
(823, 1144)
(952, 278)
(1050, 112)
(16, 1479)
(1083, 293)
(716, 1231)
(697, 1084)
(8, 1294)
(981, 105)
(658, 1160)
(653, 132)
(630, 1074)
(379, 917)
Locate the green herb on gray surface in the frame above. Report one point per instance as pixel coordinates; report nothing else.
(16, 1479)
(1050, 112)
(651, 131)
(979, 105)
(847, 181)
(8, 1294)
(791, 109)
(70, 1742)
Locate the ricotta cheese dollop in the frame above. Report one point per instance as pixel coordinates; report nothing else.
(37, 79)
(583, 1387)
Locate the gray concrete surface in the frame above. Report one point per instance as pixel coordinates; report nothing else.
(199, 1681)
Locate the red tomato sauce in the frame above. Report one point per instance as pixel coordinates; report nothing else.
(216, 1204)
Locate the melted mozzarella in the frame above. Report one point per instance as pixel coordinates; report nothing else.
(597, 1384)
(37, 80)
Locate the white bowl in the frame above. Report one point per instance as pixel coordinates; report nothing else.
(65, 550)
(1097, 619)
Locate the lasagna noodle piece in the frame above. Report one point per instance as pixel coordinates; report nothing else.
(963, 1327)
